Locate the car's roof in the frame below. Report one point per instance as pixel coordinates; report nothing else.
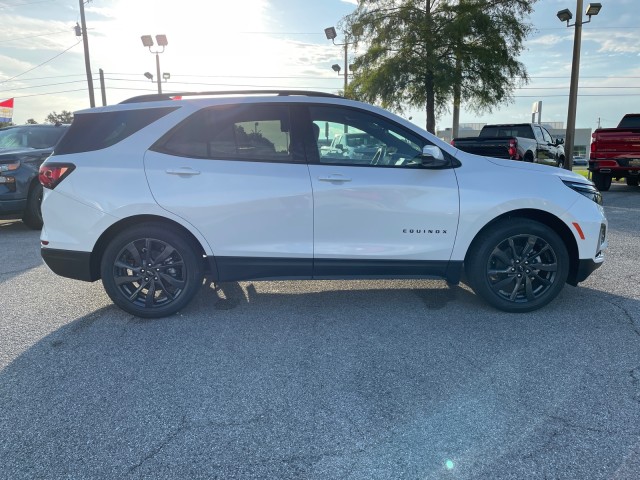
(225, 93)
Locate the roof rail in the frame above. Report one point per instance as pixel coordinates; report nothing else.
(158, 97)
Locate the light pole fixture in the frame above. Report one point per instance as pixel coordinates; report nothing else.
(331, 34)
(161, 40)
(148, 75)
(565, 16)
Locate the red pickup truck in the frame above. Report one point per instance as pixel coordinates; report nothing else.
(615, 153)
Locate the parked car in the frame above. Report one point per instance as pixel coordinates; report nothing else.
(355, 146)
(151, 194)
(528, 142)
(579, 161)
(615, 153)
(22, 151)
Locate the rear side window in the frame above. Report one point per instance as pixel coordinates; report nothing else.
(236, 132)
(95, 131)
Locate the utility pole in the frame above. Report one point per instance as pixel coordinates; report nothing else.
(87, 63)
(102, 88)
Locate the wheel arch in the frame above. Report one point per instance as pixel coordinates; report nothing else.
(546, 218)
(116, 228)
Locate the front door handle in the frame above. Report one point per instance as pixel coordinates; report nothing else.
(182, 171)
(334, 178)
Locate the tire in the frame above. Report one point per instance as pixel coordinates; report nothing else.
(528, 157)
(518, 265)
(178, 275)
(632, 181)
(32, 216)
(560, 162)
(602, 181)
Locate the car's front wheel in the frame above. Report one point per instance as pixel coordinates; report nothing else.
(518, 265)
(151, 271)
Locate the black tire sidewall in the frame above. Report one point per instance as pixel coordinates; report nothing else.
(32, 217)
(601, 181)
(187, 250)
(483, 247)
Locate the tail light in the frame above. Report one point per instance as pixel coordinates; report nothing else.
(513, 147)
(51, 174)
(453, 143)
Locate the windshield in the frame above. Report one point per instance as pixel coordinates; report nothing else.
(29, 137)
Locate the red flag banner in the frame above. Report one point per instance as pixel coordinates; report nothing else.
(6, 110)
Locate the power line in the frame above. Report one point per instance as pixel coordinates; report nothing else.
(41, 86)
(5, 40)
(11, 5)
(37, 66)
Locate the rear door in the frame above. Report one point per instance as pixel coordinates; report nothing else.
(238, 173)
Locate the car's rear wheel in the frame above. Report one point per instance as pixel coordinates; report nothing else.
(602, 181)
(151, 271)
(518, 265)
(632, 181)
(32, 216)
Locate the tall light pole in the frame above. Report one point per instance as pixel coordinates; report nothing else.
(331, 34)
(565, 16)
(87, 63)
(147, 41)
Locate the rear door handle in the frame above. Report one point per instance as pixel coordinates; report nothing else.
(334, 178)
(182, 171)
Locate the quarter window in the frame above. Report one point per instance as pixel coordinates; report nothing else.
(95, 131)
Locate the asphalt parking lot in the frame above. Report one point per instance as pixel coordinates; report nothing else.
(322, 380)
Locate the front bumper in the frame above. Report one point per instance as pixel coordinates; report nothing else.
(12, 206)
(585, 268)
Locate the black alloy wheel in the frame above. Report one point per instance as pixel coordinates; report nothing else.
(151, 272)
(519, 267)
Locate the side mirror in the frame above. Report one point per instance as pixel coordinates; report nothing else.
(339, 147)
(432, 157)
(559, 141)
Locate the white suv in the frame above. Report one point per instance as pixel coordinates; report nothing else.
(153, 194)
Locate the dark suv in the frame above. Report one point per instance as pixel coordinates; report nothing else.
(22, 151)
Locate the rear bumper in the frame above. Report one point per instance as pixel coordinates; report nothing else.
(70, 264)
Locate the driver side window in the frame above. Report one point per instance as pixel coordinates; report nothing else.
(353, 137)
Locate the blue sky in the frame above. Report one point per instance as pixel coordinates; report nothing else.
(222, 44)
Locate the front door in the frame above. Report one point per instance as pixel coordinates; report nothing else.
(378, 212)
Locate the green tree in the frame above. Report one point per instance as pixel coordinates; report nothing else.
(62, 117)
(31, 121)
(423, 53)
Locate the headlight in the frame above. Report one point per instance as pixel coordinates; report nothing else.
(8, 167)
(586, 189)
